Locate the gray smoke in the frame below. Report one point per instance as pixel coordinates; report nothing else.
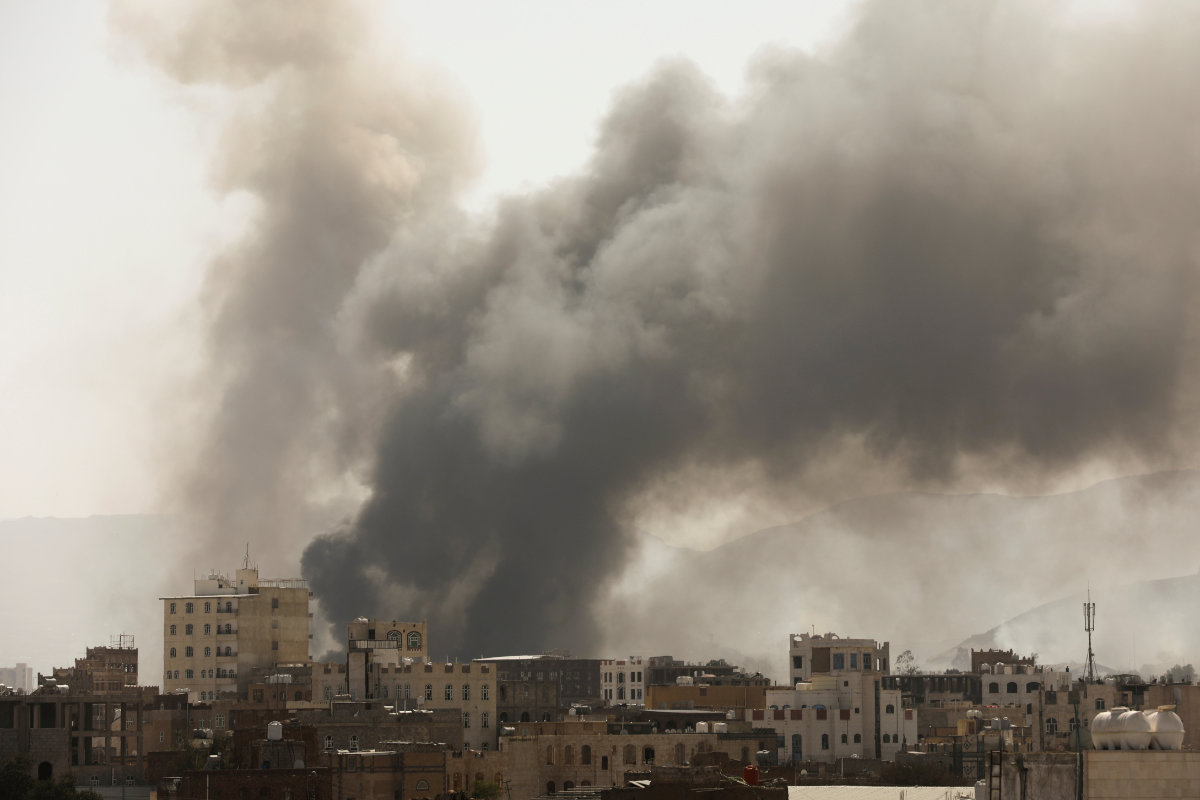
(957, 248)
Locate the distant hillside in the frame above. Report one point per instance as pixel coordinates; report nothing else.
(925, 571)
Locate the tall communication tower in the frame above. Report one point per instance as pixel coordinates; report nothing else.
(1089, 625)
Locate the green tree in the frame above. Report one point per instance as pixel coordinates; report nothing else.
(15, 780)
(485, 790)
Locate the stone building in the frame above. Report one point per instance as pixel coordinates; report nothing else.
(622, 681)
(704, 696)
(466, 689)
(373, 644)
(214, 637)
(103, 670)
(546, 686)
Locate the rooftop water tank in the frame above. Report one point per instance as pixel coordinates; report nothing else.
(274, 731)
(1166, 729)
(1135, 731)
(701, 727)
(1102, 733)
(720, 727)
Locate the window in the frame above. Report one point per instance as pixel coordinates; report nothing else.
(229, 606)
(229, 652)
(1032, 686)
(854, 661)
(796, 746)
(228, 628)
(845, 739)
(422, 785)
(466, 695)
(889, 709)
(188, 608)
(449, 692)
(858, 738)
(187, 673)
(328, 742)
(428, 691)
(207, 629)
(220, 723)
(274, 603)
(354, 743)
(569, 756)
(172, 652)
(797, 662)
(394, 636)
(207, 607)
(629, 754)
(549, 754)
(187, 651)
(414, 641)
(483, 719)
(620, 677)
(162, 736)
(1011, 688)
(172, 608)
(483, 692)
(887, 738)
(172, 630)
(187, 629)
(1051, 725)
(824, 741)
(275, 645)
(866, 660)
(466, 719)
(993, 687)
(585, 755)
(207, 652)
(839, 660)
(1100, 704)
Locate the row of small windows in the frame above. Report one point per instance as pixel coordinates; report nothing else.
(405, 692)
(634, 694)
(483, 719)
(1011, 687)
(190, 652)
(414, 638)
(190, 608)
(634, 677)
(188, 629)
(204, 673)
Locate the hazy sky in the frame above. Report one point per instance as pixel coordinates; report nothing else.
(107, 217)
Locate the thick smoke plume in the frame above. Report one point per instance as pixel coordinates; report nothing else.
(956, 249)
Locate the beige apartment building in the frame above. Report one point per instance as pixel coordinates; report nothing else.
(213, 637)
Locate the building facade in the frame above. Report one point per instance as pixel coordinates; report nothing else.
(213, 637)
(622, 681)
(373, 644)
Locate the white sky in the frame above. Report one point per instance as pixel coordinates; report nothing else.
(106, 221)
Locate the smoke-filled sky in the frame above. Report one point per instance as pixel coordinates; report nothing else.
(944, 246)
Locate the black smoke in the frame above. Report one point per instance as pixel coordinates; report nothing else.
(957, 247)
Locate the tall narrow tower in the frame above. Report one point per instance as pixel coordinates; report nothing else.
(1089, 625)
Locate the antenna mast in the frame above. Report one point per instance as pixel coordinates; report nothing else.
(1089, 625)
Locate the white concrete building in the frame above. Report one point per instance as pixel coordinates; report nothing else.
(837, 707)
(622, 681)
(214, 636)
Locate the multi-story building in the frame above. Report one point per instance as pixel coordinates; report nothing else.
(18, 677)
(373, 644)
(545, 687)
(622, 681)
(213, 637)
(104, 670)
(837, 707)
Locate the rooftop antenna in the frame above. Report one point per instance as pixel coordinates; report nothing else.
(1089, 625)
(246, 560)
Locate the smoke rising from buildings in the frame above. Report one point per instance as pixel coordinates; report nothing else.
(954, 249)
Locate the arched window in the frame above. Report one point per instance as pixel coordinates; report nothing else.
(568, 786)
(858, 738)
(993, 687)
(891, 709)
(229, 607)
(228, 651)
(172, 652)
(449, 692)
(629, 754)
(585, 755)
(414, 640)
(887, 738)
(1011, 688)
(188, 608)
(394, 636)
(569, 755)
(1051, 725)
(1032, 686)
(845, 739)
(422, 785)
(466, 695)
(428, 691)
(187, 629)
(549, 787)
(207, 629)
(503, 717)
(824, 741)
(484, 693)
(483, 719)
(172, 630)
(172, 608)
(187, 651)
(524, 716)
(207, 607)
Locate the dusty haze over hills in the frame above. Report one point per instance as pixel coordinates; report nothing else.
(954, 252)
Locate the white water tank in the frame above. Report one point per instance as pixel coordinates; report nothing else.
(274, 731)
(1166, 729)
(684, 680)
(1135, 731)
(720, 727)
(1102, 734)
(701, 727)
